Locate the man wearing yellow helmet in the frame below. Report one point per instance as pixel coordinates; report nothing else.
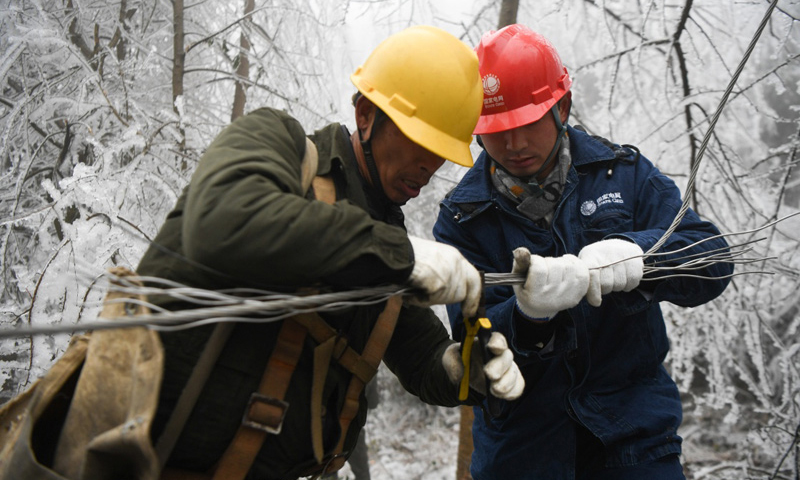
(271, 208)
(572, 214)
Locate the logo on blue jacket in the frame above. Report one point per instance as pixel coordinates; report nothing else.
(590, 206)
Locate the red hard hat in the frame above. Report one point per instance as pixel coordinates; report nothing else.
(522, 75)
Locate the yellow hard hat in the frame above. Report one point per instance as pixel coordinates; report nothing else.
(427, 81)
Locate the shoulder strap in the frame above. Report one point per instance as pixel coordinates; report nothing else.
(191, 391)
(324, 188)
(265, 411)
(308, 168)
(363, 367)
(372, 356)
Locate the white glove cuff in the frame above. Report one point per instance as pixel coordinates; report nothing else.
(533, 317)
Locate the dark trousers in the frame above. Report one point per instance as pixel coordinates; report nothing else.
(591, 459)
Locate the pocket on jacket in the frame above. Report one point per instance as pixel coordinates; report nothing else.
(605, 222)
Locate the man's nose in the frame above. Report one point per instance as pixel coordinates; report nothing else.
(430, 163)
(515, 140)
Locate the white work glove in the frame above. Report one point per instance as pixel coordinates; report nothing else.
(615, 265)
(505, 379)
(445, 276)
(552, 284)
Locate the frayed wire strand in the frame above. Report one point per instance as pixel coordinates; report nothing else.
(705, 277)
(704, 262)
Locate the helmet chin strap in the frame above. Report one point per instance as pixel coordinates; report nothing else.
(369, 159)
(562, 130)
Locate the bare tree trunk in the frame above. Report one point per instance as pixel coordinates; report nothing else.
(75, 34)
(118, 41)
(687, 91)
(243, 67)
(179, 56)
(508, 13)
(465, 445)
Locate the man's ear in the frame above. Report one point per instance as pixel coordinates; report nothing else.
(564, 106)
(365, 117)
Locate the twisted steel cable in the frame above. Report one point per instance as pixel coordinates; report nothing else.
(261, 306)
(707, 137)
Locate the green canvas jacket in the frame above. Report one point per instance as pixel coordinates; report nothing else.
(244, 221)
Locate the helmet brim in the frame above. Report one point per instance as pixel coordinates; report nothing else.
(502, 121)
(441, 144)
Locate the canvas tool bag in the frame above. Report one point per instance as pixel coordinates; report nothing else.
(89, 416)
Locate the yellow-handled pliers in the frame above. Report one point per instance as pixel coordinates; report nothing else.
(477, 326)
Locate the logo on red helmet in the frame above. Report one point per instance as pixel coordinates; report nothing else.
(491, 84)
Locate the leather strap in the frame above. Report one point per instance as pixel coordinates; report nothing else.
(363, 367)
(321, 332)
(238, 458)
(242, 451)
(309, 165)
(322, 360)
(373, 353)
(324, 189)
(191, 392)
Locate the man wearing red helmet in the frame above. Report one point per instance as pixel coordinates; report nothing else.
(573, 213)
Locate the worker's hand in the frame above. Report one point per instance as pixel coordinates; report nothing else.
(552, 284)
(505, 379)
(615, 265)
(445, 276)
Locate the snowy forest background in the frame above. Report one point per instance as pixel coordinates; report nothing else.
(106, 106)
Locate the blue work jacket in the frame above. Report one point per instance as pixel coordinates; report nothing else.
(602, 367)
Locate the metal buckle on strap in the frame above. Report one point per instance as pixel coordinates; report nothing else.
(273, 428)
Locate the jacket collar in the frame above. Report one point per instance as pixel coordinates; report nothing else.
(332, 148)
(337, 158)
(476, 186)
